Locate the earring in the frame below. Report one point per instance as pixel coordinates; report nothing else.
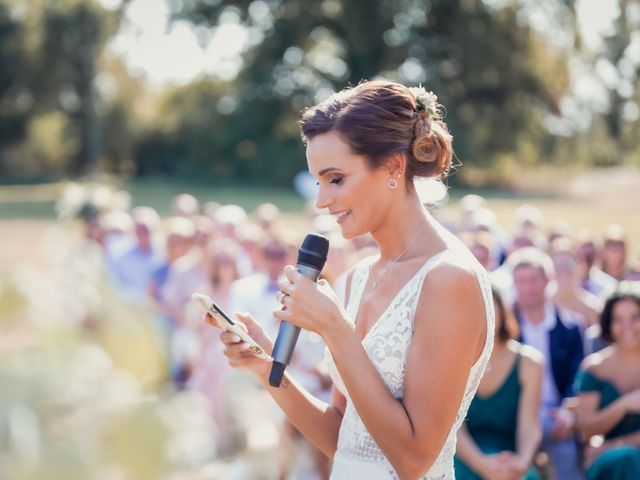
(392, 183)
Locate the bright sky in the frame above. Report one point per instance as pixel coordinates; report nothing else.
(175, 56)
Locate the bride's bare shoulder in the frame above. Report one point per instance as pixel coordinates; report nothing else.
(452, 286)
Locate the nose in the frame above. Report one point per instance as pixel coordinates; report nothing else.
(323, 200)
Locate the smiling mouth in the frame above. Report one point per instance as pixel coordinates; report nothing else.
(341, 217)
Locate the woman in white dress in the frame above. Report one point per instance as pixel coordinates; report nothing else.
(409, 347)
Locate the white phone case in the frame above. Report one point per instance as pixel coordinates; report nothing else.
(225, 322)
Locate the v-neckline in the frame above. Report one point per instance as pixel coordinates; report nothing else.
(393, 299)
(502, 383)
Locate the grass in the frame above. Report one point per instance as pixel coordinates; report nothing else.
(37, 202)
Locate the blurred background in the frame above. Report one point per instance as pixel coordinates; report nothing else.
(145, 143)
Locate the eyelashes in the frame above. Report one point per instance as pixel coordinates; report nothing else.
(334, 181)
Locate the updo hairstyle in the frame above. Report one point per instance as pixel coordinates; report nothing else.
(379, 119)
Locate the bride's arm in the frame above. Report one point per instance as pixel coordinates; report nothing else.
(450, 330)
(319, 421)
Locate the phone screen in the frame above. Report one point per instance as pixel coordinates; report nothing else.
(222, 314)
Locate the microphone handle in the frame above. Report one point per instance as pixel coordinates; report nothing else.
(287, 336)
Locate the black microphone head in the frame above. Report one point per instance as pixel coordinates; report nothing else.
(277, 371)
(313, 251)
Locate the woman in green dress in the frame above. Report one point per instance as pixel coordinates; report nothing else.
(608, 386)
(502, 432)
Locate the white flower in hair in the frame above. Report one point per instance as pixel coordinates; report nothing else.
(426, 101)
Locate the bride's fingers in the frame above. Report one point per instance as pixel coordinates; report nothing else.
(209, 320)
(246, 321)
(234, 349)
(286, 287)
(242, 360)
(229, 338)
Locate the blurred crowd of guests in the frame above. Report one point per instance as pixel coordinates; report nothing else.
(561, 398)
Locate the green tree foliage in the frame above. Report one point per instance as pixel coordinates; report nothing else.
(15, 101)
(66, 107)
(621, 53)
(52, 49)
(496, 76)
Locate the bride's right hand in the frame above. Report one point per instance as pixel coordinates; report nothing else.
(237, 351)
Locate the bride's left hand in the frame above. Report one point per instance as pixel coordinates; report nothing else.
(309, 305)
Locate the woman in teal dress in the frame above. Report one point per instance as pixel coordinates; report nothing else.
(608, 386)
(502, 432)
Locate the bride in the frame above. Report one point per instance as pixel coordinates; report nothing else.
(408, 348)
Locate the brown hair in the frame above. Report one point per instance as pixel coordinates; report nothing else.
(626, 290)
(509, 328)
(531, 257)
(379, 119)
(217, 250)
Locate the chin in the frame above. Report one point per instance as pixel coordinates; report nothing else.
(351, 233)
(347, 234)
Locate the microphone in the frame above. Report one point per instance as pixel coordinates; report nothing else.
(311, 258)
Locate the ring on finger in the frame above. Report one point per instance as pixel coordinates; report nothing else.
(283, 297)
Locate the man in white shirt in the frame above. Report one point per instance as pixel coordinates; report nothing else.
(557, 334)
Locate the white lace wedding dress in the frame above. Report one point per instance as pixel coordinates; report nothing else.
(357, 455)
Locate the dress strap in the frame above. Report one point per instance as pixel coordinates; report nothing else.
(358, 282)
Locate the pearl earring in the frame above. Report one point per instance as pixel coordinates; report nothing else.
(392, 183)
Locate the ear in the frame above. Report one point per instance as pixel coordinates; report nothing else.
(396, 165)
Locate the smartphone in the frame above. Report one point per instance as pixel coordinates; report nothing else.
(224, 321)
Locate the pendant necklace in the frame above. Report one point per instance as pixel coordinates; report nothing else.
(415, 237)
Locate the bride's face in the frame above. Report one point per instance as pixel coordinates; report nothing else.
(355, 194)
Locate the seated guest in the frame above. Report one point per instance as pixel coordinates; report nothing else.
(608, 387)
(503, 446)
(133, 262)
(614, 252)
(556, 333)
(593, 279)
(566, 289)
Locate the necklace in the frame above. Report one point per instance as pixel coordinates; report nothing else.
(376, 281)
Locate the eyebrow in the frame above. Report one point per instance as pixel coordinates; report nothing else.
(327, 170)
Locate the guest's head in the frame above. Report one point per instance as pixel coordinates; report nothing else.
(249, 236)
(559, 229)
(620, 318)
(145, 220)
(180, 234)
(115, 224)
(529, 219)
(471, 202)
(222, 265)
(228, 218)
(566, 262)
(205, 231)
(614, 251)
(267, 214)
(367, 144)
(520, 240)
(532, 269)
(275, 256)
(482, 219)
(185, 205)
(588, 245)
(481, 245)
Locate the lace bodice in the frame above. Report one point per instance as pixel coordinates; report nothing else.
(387, 343)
